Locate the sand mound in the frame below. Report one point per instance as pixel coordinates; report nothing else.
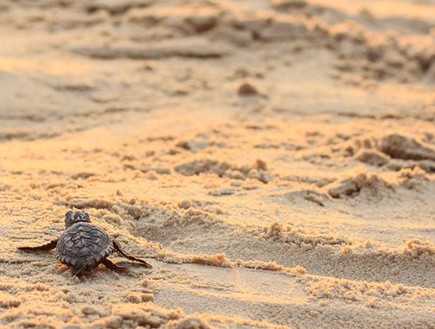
(372, 157)
(225, 169)
(402, 147)
(353, 185)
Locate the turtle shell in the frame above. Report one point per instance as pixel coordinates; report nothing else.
(83, 245)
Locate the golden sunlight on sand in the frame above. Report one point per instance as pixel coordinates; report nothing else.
(273, 160)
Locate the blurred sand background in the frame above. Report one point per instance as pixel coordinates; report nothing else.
(273, 160)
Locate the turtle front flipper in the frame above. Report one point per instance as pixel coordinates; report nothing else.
(122, 253)
(47, 246)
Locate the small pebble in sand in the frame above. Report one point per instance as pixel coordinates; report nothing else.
(247, 89)
(185, 204)
(260, 164)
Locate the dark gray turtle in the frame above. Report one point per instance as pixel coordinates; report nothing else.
(84, 246)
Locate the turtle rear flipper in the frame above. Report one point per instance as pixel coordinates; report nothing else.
(120, 266)
(119, 250)
(76, 270)
(47, 246)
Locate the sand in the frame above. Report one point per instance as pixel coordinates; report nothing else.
(273, 160)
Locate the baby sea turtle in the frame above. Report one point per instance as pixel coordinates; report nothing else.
(84, 246)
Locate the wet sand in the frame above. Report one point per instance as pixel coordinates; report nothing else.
(273, 160)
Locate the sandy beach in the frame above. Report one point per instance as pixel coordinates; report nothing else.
(273, 160)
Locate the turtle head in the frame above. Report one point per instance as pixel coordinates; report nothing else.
(74, 217)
